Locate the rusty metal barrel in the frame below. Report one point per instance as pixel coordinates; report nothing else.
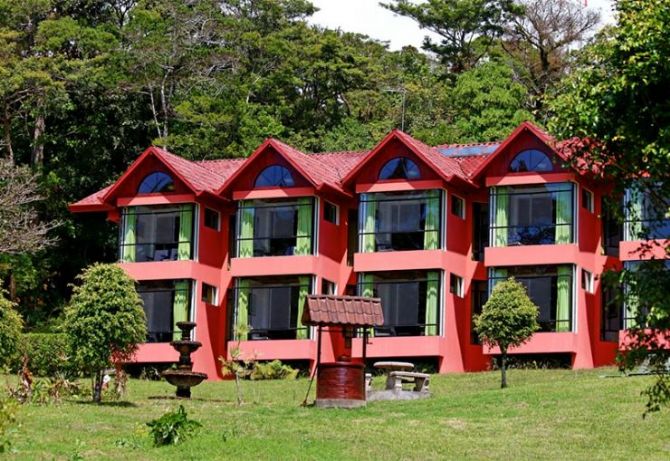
(340, 385)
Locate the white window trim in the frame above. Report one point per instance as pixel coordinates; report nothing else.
(464, 212)
(218, 221)
(592, 208)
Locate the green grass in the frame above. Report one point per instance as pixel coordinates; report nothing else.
(558, 414)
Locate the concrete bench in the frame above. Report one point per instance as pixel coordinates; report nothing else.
(396, 379)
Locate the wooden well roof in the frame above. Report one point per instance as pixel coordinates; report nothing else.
(355, 311)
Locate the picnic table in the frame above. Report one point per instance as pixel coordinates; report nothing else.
(398, 373)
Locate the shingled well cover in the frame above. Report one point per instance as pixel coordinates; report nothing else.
(343, 310)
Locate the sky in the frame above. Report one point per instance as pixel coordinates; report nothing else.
(367, 17)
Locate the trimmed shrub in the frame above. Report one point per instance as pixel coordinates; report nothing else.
(47, 354)
(11, 325)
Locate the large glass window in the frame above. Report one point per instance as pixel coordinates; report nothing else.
(533, 215)
(549, 287)
(480, 230)
(157, 233)
(166, 302)
(275, 227)
(270, 308)
(611, 313)
(480, 294)
(646, 215)
(400, 221)
(646, 292)
(410, 300)
(611, 227)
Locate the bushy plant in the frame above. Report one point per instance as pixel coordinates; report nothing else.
(173, 427)
(273, 370)
(11, 325)
(104, 322)
(508, 319)
(47, 354)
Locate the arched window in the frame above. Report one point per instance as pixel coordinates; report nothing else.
(156, 182)
(531, 160)
(275, 176)
(400, 168)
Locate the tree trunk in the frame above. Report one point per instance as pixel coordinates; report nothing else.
(97, 386)
(37, 157)
(503, 368)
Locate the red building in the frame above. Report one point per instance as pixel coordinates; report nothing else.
(236, 245)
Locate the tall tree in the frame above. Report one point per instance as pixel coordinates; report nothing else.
(616, 109)
(467, 28)
(20, 228)
(540, 39)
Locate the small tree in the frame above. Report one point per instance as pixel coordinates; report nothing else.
(508, 319)
(11, 325)
(104, 322)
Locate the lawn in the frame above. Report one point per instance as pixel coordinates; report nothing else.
(557, 414)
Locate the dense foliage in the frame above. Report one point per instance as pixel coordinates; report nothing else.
(11, 325)
(508, 319)
(104, 322)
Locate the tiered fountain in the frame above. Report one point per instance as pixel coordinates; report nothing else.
(183, 376)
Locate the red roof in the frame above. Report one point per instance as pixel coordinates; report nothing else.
(322, 310)
(463, 162)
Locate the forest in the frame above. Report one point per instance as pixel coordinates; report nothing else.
(86, 85)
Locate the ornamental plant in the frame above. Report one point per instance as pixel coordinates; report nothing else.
(104, 321)
(172, 428)
(508, 319)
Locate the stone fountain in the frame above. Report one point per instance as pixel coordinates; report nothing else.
(183, 376)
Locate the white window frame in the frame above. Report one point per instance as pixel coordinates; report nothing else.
(460, 285)
(463, 204)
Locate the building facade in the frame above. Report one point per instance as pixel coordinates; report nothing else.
(236, 245)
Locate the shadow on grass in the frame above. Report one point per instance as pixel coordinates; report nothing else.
(182, 399)
(116, 404)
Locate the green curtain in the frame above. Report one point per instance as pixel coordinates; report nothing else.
(431, 240)
(369, 223)
(635, 207)
(303, 333)
(303, 244)
(497, 274)
(242, 317)
(185, 232)
(129, 237)
(564, 288)
(180, 307)
(501, 218)
(246, 247)
(432, 305)
(563, 232)
(368, 291)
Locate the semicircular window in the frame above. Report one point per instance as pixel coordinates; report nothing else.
(531, 160)
(156, 182)
(275, 176)
(400, 168)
